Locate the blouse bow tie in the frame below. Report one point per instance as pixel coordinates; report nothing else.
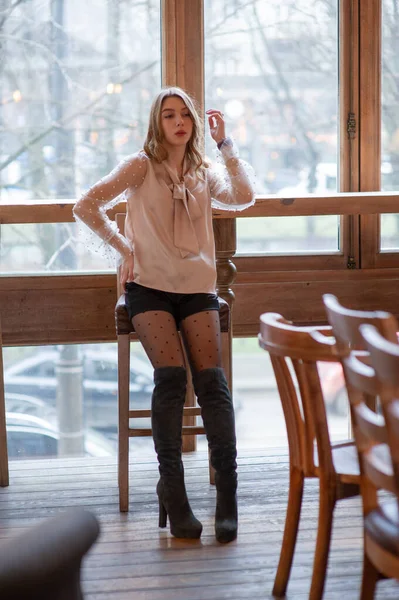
(186, 210)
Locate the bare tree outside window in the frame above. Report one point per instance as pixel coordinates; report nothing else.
(272, 67)
(76, 82)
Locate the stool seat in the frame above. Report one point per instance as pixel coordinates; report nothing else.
(125, 327)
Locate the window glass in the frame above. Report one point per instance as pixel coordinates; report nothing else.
(76, 83)
(73, 389)
(82, 397)
(23, 443)
(266, 235)
(51, 248)
(40, 369)
(390, 121)
(260, 418)
(271, 67)
(106, 371)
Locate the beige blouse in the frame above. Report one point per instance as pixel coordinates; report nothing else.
(168, 221)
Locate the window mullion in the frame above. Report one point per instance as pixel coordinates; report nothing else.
(349, 123)
(370, 122)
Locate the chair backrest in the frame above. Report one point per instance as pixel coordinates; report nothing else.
(345, 323)
(384, 357)
(368, 426)
(294, 353)
(363, 389)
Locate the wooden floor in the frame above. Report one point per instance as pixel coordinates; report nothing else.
(135, 560)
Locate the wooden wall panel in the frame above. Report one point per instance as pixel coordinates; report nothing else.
(59, 309)
(298, 296)
(78, 309)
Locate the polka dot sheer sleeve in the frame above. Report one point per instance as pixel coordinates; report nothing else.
(107, 192)
(231, 180)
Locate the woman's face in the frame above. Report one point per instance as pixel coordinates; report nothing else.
(177, 125)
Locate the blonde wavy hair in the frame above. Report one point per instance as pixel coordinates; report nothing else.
(153, 144)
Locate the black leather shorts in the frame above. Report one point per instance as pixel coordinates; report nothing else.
(140, 299)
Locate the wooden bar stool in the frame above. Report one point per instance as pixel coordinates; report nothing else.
(126, 334)
(4, 475)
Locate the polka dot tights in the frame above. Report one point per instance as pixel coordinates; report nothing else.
(158, 334)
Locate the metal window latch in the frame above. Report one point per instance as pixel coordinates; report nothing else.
(351, 125)
(351, 264)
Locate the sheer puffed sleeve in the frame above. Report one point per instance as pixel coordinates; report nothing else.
(92, 206)
(231, 180)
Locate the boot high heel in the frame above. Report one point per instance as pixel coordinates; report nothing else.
(162, 514)
(173, 502)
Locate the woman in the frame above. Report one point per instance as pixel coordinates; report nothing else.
(168, 270)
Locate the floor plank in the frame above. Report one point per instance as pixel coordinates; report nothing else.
(135, 560)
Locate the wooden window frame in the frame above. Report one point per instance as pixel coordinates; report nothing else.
(59, 309)
(184, 44)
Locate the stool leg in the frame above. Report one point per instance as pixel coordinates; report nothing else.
(227, 351)
(211, 469)
(189, 441)
(123, 420)
(4, 477)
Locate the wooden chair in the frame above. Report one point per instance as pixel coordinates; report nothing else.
(4, 475)
(377, 442)
(345, 323)
(294, 353)
(44, 562)
(126, 334)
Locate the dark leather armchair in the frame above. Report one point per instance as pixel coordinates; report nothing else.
(44, 562)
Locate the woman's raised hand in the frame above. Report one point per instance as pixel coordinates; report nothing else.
(126, 270)
(216, 124)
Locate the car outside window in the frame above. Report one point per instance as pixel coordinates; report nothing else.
(44, 369)
(28, 444)
(106, 371)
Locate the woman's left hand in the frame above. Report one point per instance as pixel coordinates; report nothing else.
(216, 124)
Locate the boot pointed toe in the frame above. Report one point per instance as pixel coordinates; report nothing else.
(190, 530)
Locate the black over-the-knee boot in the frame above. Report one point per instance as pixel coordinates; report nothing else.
(166, 419)
(217, 412)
